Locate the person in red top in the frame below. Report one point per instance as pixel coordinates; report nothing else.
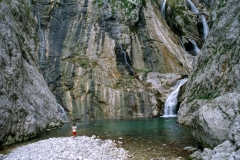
(74, 130)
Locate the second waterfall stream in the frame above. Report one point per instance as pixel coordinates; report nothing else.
(170, 105)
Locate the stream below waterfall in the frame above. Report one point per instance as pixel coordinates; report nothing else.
(143, 138)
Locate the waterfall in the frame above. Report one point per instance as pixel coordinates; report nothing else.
(191, 6)
(125, 59)
(163, 8)
(42, 45)
(205, 27)
(196, 50)
(170, 106)
(64, 115)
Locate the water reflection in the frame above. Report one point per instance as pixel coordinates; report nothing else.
(143, 138)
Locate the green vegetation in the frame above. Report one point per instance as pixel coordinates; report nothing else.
(202, 96)
(127, 7)
(100, 4)
(203, 65)
(131, 80)
(133, 28)
(2, 17)
(215, 51)
(178, 11)
(113, 11)
(144, 3)
(208, 96)
(28, 11)
(83, 63)
(124, 6)
(223, 51)
(190, 158)
(223, 3)
(154, 1)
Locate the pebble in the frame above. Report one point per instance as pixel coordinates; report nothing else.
(120, 142)
(78, 148)
(190, 148)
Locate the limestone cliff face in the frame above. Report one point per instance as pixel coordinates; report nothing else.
(107, 59)
(212, 101)
(26, 105)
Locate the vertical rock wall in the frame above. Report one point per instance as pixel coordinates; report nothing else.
(27, 106)
(97, 56)
(213, 93)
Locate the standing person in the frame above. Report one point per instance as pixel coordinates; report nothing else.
(74, 130)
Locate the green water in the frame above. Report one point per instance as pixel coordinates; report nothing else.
(143, 138)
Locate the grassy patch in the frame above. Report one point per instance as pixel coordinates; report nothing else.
(215, 51)
(208, 96)
(223, 3)
(100, 4)
(223, 51)
(83, 63)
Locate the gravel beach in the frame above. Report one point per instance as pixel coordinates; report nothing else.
(69, 148)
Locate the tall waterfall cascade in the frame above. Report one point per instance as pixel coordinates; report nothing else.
(163, 6)
(205, 27)
(41, 36)
(170, 106)
(191, 6)
(125, 59)
(196, 50)
(64, 115)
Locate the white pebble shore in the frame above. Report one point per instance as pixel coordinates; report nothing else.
(78, 148)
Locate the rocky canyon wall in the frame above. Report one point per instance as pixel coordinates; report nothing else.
(112, 59)
(108, 59)
(212, 103)
(27, 106)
